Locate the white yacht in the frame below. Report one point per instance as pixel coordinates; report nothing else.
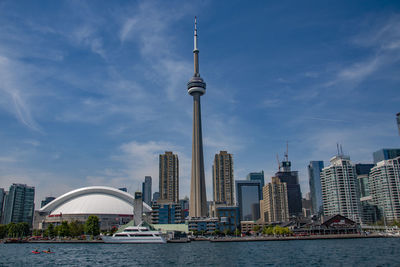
(135, 234)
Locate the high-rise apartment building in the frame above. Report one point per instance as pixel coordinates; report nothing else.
(384, 184)
(248, 199)
(169, 177)
(19, 204)
(146, 190)
(223, 178)
(274, 206)
(314, 180)
(2, 198)
(340, 189)
(257, 176)
(385, 154)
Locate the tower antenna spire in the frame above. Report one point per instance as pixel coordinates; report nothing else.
(196, 50)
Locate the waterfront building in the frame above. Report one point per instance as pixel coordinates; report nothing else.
(46, 201)
(166, 213)
(203, 225)
(228, 216)
(247, 226)
(257, 176)
(19, 204)
(340, 189)
(385, 154)
(169, 177)
(146, 189)
(185, 207)
(274, 206)
(113, 207)
(196, 88)
(306, 203)
(384, 185)
(223, 185)
(248, 199)
(291, 178)
(314, 180)
(156, 196)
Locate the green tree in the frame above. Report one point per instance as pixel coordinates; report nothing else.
(217, 232)
(227, 232)
(237, 232)
(3, 231)
(92, 225)
(268, 230)
(64, 229)
(51, 232)
(256, 228)
(76, 228)
(12, 230)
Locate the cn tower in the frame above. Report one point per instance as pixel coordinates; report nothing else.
(196, 88)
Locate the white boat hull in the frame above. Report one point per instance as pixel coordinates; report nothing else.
(134, 240)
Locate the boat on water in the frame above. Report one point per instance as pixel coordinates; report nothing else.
(135, 234)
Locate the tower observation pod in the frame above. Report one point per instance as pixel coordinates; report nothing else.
(196, 88)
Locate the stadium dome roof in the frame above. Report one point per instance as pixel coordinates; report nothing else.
(93, 200)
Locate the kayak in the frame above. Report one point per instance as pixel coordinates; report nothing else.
(35, 252)
(48, 252)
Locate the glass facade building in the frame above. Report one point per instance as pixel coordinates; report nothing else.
(46, 201)
(314, 179)
(19, 204)
(146, 190)
(385, 154)
(248, 196)
(257, 176)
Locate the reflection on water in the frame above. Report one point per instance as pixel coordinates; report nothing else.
(355, 252)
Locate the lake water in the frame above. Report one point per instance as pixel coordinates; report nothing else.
(346, 252)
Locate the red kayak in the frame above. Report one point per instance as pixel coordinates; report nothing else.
(35, 252)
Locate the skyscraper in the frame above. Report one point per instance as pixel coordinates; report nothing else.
(2, 198)
(398, 121)
(385, 154)
(291, 178)
(314, 179)
(384, 184)
(46, 201)
(146, 190)
(196, 88)
(257, 176)
(169, 177)
(223, 178)
(248, 199)
(19, 204)
(274, 206)
(340, 189)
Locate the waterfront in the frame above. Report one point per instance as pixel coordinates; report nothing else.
(352, 252)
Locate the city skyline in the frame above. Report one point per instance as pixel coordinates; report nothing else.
(92, 98)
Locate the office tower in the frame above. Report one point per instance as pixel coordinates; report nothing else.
(46, 201)
(257, 176)
(291, 178)
(248, 197)
(362, 172)
(384, 184)
(385, 154)
(19, 204)
(274, 206)
(314, 180)
(2, 198)
(196, 88)
(146, 190)
(223, 178)
(156, 196)
(340, 189)
(398, 121)
(169, 177)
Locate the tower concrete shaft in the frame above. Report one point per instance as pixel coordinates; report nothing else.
(196, 88)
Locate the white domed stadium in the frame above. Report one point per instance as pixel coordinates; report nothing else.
(112, 206)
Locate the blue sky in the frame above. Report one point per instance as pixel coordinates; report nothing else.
(92, 92)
